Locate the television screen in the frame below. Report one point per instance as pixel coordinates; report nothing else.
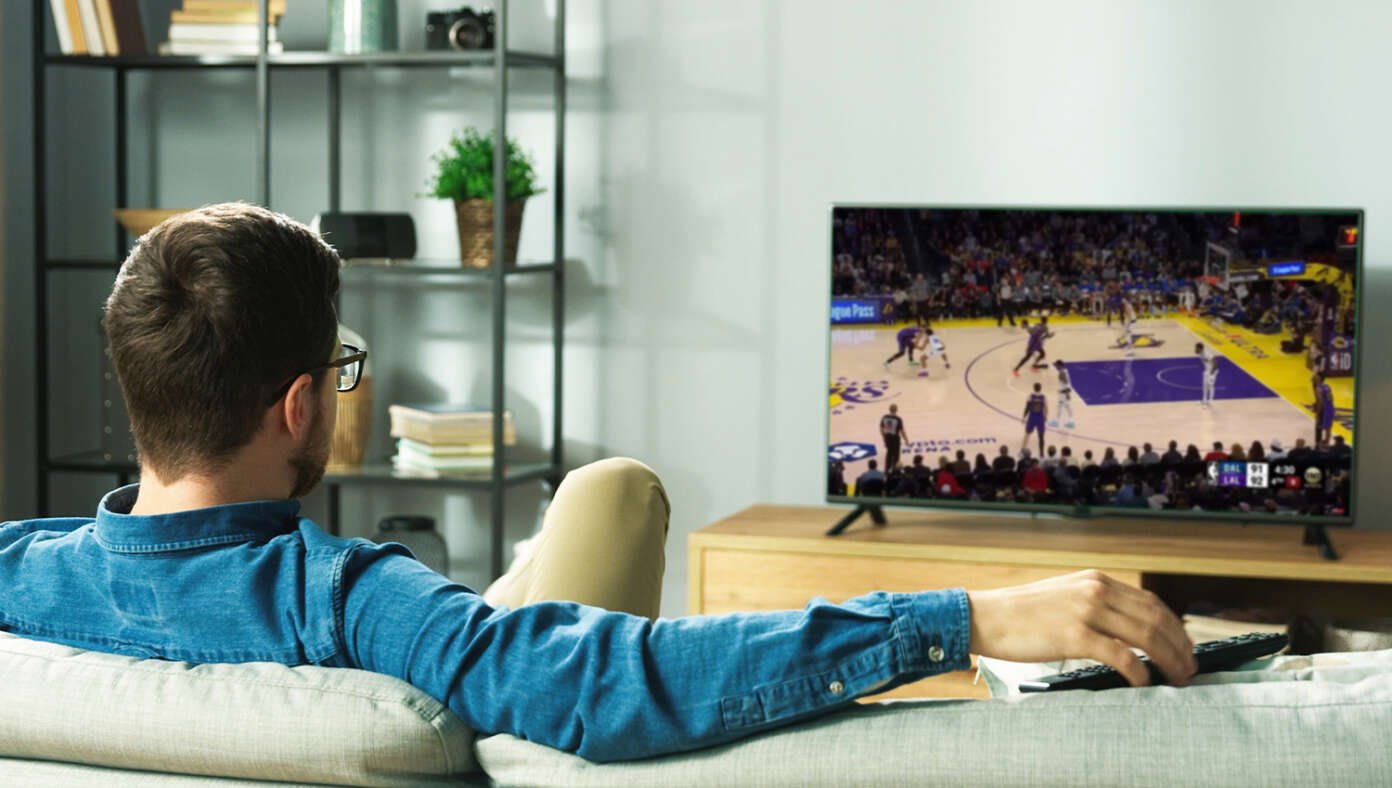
(1084, 359)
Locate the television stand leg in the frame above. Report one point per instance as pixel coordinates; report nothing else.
(876, 516)
(1316, 535)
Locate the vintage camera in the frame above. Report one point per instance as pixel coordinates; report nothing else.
(463, 30)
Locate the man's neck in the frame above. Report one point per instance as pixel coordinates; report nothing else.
(233, 484)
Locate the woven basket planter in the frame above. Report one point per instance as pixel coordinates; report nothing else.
(476, 232)
(353, 426)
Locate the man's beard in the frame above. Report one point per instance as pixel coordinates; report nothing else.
(310, 460)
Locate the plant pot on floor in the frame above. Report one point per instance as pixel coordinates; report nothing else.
(475, 219)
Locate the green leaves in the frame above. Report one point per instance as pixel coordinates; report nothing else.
(466, 169)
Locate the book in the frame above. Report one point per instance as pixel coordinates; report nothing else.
(427, 472)
(231, 6)
(445, 464)
(243, 34)
(130, 31)
(75, 31)
(221, 17)
(217, 48)
(91, 29)
(107, 23)
(423, 449)
(448, 423)
(60, 23)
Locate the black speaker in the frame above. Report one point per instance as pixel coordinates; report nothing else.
(378, 235)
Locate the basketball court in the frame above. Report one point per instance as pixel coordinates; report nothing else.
(976, 406)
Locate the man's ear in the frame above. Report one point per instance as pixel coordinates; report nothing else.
(299, 406)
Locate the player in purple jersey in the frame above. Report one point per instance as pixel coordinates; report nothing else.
(907, 338)
(1324, 411)
(1035, 345)
(1036, 412)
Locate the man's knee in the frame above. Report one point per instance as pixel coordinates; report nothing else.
(624, 479)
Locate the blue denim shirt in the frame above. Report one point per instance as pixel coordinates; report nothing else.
(256, 582)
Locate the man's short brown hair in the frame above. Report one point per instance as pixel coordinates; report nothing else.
(212, 310)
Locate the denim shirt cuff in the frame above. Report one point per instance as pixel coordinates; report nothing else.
(934, 630)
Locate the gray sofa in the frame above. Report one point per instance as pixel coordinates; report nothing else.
(72, 717)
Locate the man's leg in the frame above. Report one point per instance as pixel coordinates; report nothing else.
(602, 543)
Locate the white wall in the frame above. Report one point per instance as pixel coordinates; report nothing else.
(732, 125)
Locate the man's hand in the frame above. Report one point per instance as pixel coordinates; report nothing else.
(1085, 614)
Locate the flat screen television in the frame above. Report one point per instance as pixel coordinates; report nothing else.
(1165, 361)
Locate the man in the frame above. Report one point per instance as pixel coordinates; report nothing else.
(1218, 453)
(1149, 456)
(1005, 303)
(222, 330)
(892, 433)
(1003, 462)
(1340, 449)
(930, 346)
(1034, 345)
(1324, 411)
(907, 339)
(961, 464)
(1065, 396)
(1035, 414)
(1209, 359)
(1172, 455)
(872, 479)
(1128, 327)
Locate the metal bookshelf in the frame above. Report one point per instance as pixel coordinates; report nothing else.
(501, 60)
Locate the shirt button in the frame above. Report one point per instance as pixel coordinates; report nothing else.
(836, 688)
(936, 654)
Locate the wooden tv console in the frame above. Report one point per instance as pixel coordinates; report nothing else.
(777, 557)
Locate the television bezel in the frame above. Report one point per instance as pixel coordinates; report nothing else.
(1085, 511)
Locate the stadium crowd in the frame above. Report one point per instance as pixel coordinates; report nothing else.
(1144, 478)
(1007, 264)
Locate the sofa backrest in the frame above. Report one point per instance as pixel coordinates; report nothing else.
(255, 720)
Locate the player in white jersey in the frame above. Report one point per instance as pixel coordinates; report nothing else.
(931, 346)
(1065, 396)
(1210, 373)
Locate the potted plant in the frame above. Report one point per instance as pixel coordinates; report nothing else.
(464, 173)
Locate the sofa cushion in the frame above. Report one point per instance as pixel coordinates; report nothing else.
(1267, 731)
(255, 720)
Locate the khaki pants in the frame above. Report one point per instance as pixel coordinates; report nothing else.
(601, 543)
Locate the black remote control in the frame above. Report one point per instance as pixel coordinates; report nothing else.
(1215, 655)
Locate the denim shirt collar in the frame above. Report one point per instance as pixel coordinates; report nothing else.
(122, 532)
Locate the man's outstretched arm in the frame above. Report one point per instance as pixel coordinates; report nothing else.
(611, 686)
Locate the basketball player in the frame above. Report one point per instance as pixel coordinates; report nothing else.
(1128, 322)
(1034, 346)
(1065, 395)
(1210, 373)
(1113, 302)
(1324, 411)
(930, 346)
(892, 431)
(906, 337)
(1036, 412)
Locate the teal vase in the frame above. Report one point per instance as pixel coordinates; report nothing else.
(357, 26)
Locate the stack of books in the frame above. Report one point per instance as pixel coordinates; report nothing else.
(446, 440)
(222, 27)
(98, 27)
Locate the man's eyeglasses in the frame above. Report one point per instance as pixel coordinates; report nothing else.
(348, 367)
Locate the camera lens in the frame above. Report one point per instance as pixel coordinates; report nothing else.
(467, 34)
